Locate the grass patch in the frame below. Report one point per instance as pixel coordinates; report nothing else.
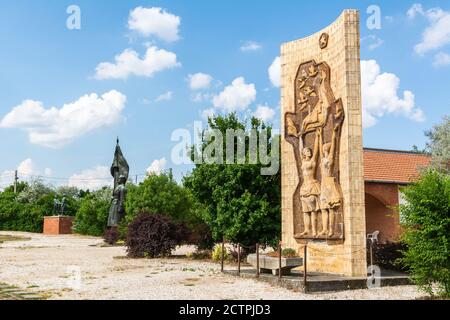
(32, 286)
(8, 292)
(5, 238)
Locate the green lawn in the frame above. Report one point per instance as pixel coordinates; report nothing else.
(4, 238)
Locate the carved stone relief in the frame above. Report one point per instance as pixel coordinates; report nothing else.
(314, 131)
(323, 41)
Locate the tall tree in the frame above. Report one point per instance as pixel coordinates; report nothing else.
(239, 203)
(426, 222)
(439, 144)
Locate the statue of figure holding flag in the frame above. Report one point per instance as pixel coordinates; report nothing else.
(120, 171)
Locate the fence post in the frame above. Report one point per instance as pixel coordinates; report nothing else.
(257, 260)
(239, 259)
(223, 254)
(280, 251)
(371, 253)
(305, 271)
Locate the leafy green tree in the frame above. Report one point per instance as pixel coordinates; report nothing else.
(21, 185)
(9, 210)
(439, 144)
(25, 210)
(237, 202)
(426, 219)
(159, 194)
(92, 215)
(34, 192)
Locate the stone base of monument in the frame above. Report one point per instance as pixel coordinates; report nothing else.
(58, 225)
(272, 264)
(322, 282)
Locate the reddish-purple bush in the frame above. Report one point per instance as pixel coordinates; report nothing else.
(111, 236)
(151, 235)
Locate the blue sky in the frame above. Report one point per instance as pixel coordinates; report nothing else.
(44, 64)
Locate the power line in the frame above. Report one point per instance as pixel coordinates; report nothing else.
(75, 178)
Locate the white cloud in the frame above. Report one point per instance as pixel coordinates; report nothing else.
(375, 41)
(129, 63)
(379, 95)
(378, 42)
(437, 34)
(441, 59)
(92, 179)
(26, 171)
(235, 97)
(415, 10)
(155, 22)
(27, 168)
(251, 46)
(48, 172)
(199, 81)
(264, 113)
(201, 97)
(146, 101)
(55, 127)
(165, 96)
(275, 72)
(157, 166)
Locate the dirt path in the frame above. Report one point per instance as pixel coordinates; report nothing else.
(77, 267)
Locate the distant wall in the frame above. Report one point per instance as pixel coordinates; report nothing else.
(381, 203)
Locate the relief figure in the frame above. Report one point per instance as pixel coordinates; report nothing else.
(310, 189)
(330, 196)
(317, 117)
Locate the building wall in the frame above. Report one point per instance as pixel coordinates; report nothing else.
(382, 214)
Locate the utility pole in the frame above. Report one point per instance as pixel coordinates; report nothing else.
(15, 181)
(136, 179)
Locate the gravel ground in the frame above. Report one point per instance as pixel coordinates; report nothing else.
(49, 265)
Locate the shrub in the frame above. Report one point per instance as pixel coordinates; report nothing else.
(289, 253)
(158, 193)
(151, 235)
(239, 203)
(200, 255)
(388, 255)
(426, 219)
(25, 211)
(92, 216)
(217, 253)
(201, 236)
(111, 236)
(285, 253)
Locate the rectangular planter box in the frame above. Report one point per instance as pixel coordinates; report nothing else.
(271, 264)
(58, 225)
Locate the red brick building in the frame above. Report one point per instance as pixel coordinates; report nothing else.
(385, 171)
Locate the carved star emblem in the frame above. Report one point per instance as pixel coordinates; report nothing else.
(323, 41)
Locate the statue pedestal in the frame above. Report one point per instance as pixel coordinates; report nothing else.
(58, 225)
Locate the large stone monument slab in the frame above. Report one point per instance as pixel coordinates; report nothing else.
(322, 153)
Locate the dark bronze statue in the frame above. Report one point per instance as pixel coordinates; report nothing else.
(59, 206)
(117, 210)
(120, 171)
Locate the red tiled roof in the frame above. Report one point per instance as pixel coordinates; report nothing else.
(393, 166)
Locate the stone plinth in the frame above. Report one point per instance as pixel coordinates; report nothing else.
(272, 264)
(338, 48)
(58, 225)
